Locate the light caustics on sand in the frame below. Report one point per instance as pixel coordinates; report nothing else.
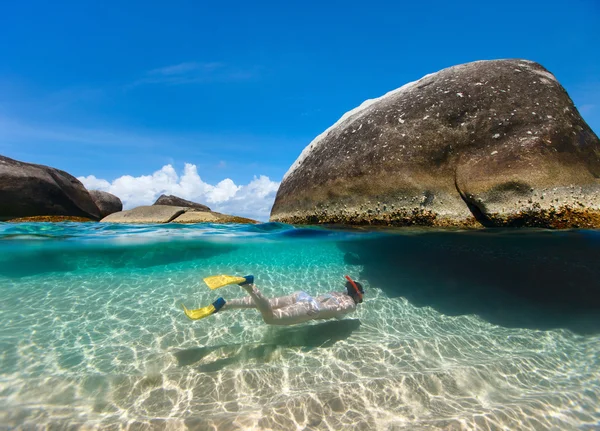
(93, 334)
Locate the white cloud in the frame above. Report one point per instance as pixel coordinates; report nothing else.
(223, 191)
(256, 197)
(93, 183)
(253, 200)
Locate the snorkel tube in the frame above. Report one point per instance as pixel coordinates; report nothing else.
(357, 291)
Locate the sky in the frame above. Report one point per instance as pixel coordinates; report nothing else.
(214, 101)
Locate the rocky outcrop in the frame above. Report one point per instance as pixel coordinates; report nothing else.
(196, 217)
(146, 214)
(211, 217)
(178, 202)
(35, 190)
(106, 202)
(489, 143)
(170, 214)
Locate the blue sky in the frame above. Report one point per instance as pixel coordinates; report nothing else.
(238, 89)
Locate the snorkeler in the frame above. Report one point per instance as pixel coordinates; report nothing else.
(291, 309)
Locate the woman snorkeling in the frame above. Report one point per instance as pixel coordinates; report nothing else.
(291, 309)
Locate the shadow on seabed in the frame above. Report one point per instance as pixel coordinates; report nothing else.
(305, 337)
(532, 279)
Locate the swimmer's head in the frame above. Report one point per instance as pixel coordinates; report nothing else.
(355, 290)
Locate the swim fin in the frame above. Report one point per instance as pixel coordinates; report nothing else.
(203, 312)
(216, 281)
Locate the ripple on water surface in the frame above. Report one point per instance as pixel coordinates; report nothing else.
(453, 333)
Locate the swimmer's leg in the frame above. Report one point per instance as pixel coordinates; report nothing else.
(248, 302)
(262, 303)
(296, 312)
(255, 300)
(239, 303)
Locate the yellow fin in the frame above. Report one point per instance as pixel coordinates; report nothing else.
(199, 313)
(217, 281)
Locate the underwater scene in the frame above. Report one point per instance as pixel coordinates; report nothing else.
(459, 330)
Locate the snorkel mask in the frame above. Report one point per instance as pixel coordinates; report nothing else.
(354, 290)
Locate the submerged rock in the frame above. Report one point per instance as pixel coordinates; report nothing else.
(106, 202)
(179, 202)
(28, 189)
(492, 143)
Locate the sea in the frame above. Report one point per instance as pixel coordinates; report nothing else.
(459, 329)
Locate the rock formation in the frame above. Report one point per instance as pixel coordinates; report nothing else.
(211, 217)
(35, 190)
(179, 202)
(146, 214)
(171, 214)
(106, 202)
(492, 143)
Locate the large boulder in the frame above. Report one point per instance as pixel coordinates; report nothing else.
(35, 190)
(179, 202)
(106, 202)
(492, 143)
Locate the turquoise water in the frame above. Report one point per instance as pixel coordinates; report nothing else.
(459, 330)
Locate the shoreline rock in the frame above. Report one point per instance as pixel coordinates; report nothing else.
(485, 144)
(146, 214)
(51, 219)
(106, 202)
(211, 217)
(170, 214)
(179, 202)
(27, 189)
